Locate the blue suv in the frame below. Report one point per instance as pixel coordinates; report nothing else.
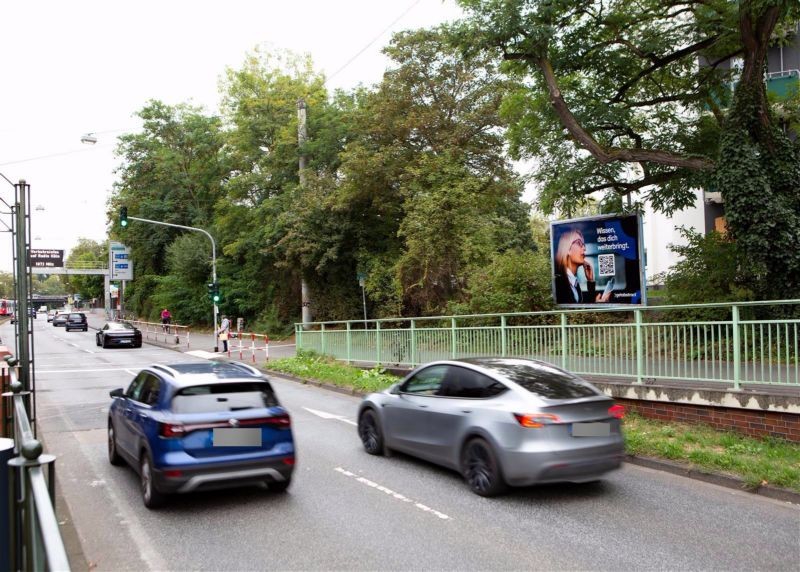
(198, 426)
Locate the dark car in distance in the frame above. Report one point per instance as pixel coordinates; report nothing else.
(200, 426)
(121, 334)
(498, 421)
(76, 321)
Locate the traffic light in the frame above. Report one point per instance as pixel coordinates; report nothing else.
(213, 292)
(123, 217)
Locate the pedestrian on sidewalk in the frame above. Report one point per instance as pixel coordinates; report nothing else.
(224, 330)
(166, 318)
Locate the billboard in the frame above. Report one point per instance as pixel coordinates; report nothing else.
(120, 262)
(598, 260)
(45, 258)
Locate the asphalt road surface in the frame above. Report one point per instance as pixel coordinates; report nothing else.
(347, 510)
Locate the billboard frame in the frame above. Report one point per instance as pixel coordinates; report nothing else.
(641, 259)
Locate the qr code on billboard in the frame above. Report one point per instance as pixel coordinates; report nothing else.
(606, 262)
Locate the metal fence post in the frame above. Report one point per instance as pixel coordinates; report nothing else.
(639, 347)
(737, 357)
(322, 338)
(413, 344)
(349, 344)
(563, 340)
(503, 342)
(298, 333)
(378, 342)
(453, 337)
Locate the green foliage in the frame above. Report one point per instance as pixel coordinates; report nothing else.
(711, 268)
(7, 285)
(87, 253)
(756, 461)
(759, 177)
(514, 281)
(312, 366)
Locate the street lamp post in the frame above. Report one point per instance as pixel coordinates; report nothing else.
(213, 260)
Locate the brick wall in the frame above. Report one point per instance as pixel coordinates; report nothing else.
(746, 421)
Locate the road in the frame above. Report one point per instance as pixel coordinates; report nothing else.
(349, 510)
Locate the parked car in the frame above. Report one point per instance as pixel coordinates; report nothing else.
(76, 321)
(499, 422)
(119, 334)
(43, 309)
(60, 319)
(196, 426)
(32, 312)
(51, 314)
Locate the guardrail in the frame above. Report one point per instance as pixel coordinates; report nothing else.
(246, 343)
(167, 334)
(34, 537)
(739, 343)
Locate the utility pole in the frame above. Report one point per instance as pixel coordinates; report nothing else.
(23, 316)
(302, 135)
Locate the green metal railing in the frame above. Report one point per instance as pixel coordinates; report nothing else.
(739, 343)
(34, 538)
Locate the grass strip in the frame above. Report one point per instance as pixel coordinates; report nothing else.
(756, 461)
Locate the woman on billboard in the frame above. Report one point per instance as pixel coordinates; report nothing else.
(570, 257)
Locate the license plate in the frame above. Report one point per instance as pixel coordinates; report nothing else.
(237, 437)
(124, 341)
(600, 429)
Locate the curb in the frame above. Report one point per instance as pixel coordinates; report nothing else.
(728, 481)
(680, 469)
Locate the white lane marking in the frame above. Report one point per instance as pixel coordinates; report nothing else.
(89, 351)
(132, 372)
(325, 415)
(392, 493)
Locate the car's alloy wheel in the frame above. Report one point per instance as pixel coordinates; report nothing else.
(370, 433)
(150, 496)
(113, 456)
(481, 469)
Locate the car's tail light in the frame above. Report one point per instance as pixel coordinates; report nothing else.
(288, 461)
(279, 421)
(536, 420)
(173, 474)
(617, 411)
(172, 430)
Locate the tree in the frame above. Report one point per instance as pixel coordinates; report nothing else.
(614, 101)
(91, 254)
(424, 191)
(171, 172)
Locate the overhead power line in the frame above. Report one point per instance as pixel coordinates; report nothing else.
(375, 39)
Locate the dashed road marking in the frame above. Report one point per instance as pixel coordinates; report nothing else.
(326, 415)
(392, 493)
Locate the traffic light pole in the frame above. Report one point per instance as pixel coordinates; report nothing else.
(213, 259)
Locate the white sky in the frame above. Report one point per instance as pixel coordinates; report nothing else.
(72, 67)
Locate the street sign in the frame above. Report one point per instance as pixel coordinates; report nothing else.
(45, 258)
(119, 262)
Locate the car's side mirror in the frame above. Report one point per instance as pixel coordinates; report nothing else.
(395, 389)
(119, 392)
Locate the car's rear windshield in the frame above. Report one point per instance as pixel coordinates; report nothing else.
(76, 316)
(220, 397)
(547, 382)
